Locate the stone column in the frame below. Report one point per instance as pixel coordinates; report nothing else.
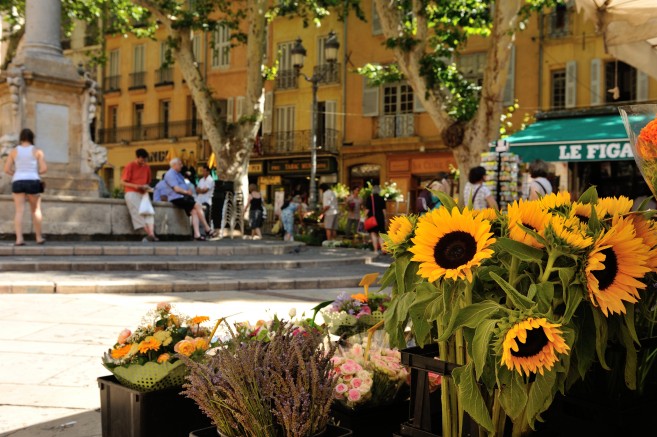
(43, 28)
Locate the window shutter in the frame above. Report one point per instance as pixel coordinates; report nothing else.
(230, 114)
(509, 88)
(370, 100)
(376, 21)
(267, 113)
(240, 108)
(571, 84)
(417, 103)
(641, 86)
(596, 70)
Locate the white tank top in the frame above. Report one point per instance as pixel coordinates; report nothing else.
(27, 166)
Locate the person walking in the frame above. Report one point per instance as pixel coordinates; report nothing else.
(204, 192)
(329, 211)
(375, 206)
(255, 207)
(354, 203)
(476, 194)
(287, 217)
(25, 164)
(540, 186)
(135, 179)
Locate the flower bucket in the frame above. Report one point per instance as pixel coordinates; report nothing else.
(151, 376)
(381, 421)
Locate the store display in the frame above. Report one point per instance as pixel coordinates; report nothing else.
(503, 171)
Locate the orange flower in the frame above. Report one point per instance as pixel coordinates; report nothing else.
(201, 343)
(649, 132)
(121, 352)
(163, 358)
(185, 347)
(360, 296)
(645, 149)
(150, 343)
(198, 320)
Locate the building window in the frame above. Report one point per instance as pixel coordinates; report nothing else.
(165, 113)
(221, 48)
(558, 22)
(114, 78)
(623, 75)
(397, 119)
(112, 124)
(472, 67)
(558, 89)
(284, 133)
(376, 21)
(138, 75)
(287, 76)
(165, 72)
(330, 73)
(138, 121)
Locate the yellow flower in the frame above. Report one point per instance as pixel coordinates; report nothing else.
(647, 230)
(185, 347)
(201, 343)
(174, 320)
(532, 345)
(531, 215)
(570, 231)
(198, 320)
(611, 206)
(554, 201)
(582, 211)
(360, 297)
(615, 265)
(150, 343)
(400, 229)
(121, 351)
(163, 337)
(163, 358)
(449, 244)
(489, 214)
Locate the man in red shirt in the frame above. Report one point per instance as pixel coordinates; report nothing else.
(136, 178)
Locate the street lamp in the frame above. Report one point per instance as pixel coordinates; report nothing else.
(298, 54)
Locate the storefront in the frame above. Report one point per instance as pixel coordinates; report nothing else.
(584, 151)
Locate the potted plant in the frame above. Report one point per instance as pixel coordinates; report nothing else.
(271, 381)
(144, 391)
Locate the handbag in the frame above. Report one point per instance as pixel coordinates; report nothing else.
(370, 222)
(145, 207)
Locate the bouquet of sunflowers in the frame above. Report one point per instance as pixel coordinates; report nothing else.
(146, 359)
(524, 302)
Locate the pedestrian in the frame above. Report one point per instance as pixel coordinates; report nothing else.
(135, 179)
(25, 164)
(426, 201)
(540, 186)
(256, 209)
(181, 196)
(204, 192)
(354, 203)
(329, 211)
(159, 190)
(375, 206)
(287, 216)
(476, 194)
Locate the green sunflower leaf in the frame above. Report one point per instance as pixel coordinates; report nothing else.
(545, 295)
(427, 295)
(411, 277)
(629, 322)
(513, 397)
(471, 316)
(589, 196)
(584, 348)
(541, 393)
(519, 301)
(574, 296)
(470, 395)
(601, 336)
(445, 199)
(481, 345)
(520, 250)
(630, 358)
(401, 264)
(538, 237)
(388, 276)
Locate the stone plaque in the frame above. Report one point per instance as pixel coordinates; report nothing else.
(52, 125)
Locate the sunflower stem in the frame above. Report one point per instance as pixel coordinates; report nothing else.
(513, 271)
(552, 257)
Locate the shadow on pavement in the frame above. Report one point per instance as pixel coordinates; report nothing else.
(85, 424)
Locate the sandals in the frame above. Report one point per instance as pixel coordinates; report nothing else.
(201, 238)
(19, 244)
(214, 234)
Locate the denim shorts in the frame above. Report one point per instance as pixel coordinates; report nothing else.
(26, 187)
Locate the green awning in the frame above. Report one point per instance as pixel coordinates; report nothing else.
(593, 138)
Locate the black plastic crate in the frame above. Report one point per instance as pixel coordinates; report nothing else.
(162, 413)
(379, 421)
(331, 431)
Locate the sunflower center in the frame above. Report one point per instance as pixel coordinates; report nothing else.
(536, 341)
(607, 275)
(582, 218)
(527, 225)
(455, 249)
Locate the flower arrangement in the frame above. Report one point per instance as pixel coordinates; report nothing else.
(641, 126)
(367, 379)
(146, 359)
(526, 302)
(279, 387)
(341, 191)
(389, 192)
(351, 314)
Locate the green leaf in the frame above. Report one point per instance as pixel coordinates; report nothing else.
(445, 199)
(601, 335)
(411, 277)
(388, 276)
(575, 294)
(584, 348)
(629, 322)
(426, 295)
(566, 275)
(471, 316)
(630, 358)
(393, 325)
(589, 196)
(541, 393)
(545, 295)
(520, 250)
(481, 345)
(644, 204)
(470, 396)
(521, 302)
(513, 397)
(401, 264)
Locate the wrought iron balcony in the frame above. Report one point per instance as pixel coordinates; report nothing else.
(112, 83)
(395, 126)
(164, 76)
(147, 132)
(329, 73)
(138, 80)
(285, 143)
(287, 79)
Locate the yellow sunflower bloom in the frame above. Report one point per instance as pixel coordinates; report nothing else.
(150, 343)
(582, 211)
(532, 345)
(615, 265)
(449, 244)
(647, 230)
(611, 206)
(554, 201)
(489, 214)
(121, 352)
(570, 231)
(198, 320)
(531, 215)
(400, 229)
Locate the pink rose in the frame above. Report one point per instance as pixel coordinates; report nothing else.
(350, 367)
(354, 395)
(123, 336)
(356, 382)
(164, 306)
(341, 388)
(364, 310)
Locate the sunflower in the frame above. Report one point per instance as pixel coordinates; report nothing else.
(531, 345)
(554, 201)
(150, 343)
(531, 215)
(489, 214)
(611, 206)
(615, 265)
(449, 244)
(400, 229)
(582, 211)
(647, 230)
(570, 231)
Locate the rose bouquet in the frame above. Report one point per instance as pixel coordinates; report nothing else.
(368, 379)
(524, 303)
(146, 359)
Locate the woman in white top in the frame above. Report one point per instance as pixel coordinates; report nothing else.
(25, 164)
(540, 186)
(476, 193)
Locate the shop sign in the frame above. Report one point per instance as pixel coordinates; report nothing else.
(302, 166)
(255, 167)
(158, 156)
(608, 151)
(269, 180)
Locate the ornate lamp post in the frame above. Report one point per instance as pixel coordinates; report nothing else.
(298, 54)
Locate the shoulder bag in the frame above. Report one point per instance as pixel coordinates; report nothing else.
(371, 222)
